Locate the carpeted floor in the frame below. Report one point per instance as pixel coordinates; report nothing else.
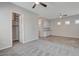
(40, 48)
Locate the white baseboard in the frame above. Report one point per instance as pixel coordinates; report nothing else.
(29, 41)
(5, 47)
(66, 36)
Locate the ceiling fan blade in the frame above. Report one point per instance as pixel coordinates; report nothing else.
(34, 6)
(43, 4)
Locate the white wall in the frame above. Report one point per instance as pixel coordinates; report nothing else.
(71, 30)
(29, 24)
(30, 27)
(5, 35)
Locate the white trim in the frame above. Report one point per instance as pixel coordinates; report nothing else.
(5, 47)
(21, 26)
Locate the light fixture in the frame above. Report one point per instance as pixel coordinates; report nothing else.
(60, 16)
(36, 1)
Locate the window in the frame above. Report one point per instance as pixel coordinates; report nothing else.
(77, 22)
(58, 23)
(67, 22)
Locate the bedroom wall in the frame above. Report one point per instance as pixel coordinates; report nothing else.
(66, 30)
(29, 24)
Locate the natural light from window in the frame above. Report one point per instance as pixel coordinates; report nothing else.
(67, 22)
(77, 22)
(58, 23)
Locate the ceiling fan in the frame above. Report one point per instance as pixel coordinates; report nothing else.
(42, 4)
(62, 15)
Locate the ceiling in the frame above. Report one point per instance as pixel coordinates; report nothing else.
(53, 9)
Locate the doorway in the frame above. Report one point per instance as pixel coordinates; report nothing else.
(15, 28)
(44, 28)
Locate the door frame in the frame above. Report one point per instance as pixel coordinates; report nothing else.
(21, 26)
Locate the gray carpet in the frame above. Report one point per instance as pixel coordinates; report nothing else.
(40, 48)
